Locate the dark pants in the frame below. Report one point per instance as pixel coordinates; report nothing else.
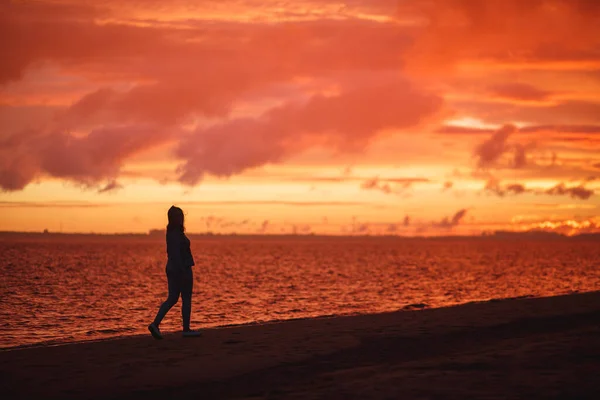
(180, 282)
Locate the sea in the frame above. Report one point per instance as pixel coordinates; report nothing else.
(70, 288)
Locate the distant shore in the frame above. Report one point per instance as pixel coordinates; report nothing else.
(539, 235)
(521, 348)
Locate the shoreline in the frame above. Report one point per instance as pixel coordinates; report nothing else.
(406, 308)
(526, 347)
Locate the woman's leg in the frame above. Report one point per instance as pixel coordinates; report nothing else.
(187, 284)
(174, 282)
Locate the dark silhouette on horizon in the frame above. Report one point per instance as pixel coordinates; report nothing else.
(180, 278)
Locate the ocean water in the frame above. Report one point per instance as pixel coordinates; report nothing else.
(70, 289)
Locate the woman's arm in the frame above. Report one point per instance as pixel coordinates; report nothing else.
(174, 249)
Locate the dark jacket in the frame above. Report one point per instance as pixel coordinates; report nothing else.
(179, 254)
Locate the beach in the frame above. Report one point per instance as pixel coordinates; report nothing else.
(513, 348)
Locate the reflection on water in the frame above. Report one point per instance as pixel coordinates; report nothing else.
(89, 288)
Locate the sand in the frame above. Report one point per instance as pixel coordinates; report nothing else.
(519, 348)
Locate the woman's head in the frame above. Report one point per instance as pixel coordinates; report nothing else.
(175, 216)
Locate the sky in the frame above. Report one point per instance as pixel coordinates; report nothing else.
(420, 117)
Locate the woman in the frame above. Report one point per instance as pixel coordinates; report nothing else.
(179, 274)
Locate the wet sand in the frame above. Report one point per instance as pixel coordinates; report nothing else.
(518, 348)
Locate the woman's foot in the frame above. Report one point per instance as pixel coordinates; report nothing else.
(154, 331)
(191, 333)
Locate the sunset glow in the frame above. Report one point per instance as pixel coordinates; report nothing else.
(436, 117)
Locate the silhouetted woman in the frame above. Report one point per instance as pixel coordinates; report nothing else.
(179, 274)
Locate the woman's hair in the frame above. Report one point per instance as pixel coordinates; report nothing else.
(175, 216)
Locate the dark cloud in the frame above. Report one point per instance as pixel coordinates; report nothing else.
(516, 188)
(494, 186)
(490, 151)
(576, 192)
(449, 223)
(561, 189)
(111, 187)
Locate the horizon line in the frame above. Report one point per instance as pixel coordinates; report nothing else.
(153, 233)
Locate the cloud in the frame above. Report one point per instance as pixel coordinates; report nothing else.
(174, 74)
(516, 188)
(391, 185)
(533, 149)
(490, 151)
(233, 92)
(165, 103)
(493, 185)
(454, 31)
(88, 160)
(447, 223)
(519, 91)
(565, 226)
(111, 187)
(375, 184)
(34, 31)
(346, 122)
(213, 55)
(576, 192)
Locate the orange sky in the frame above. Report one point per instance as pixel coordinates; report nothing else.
(366, 116)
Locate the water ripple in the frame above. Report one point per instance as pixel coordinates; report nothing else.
(55, 291)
